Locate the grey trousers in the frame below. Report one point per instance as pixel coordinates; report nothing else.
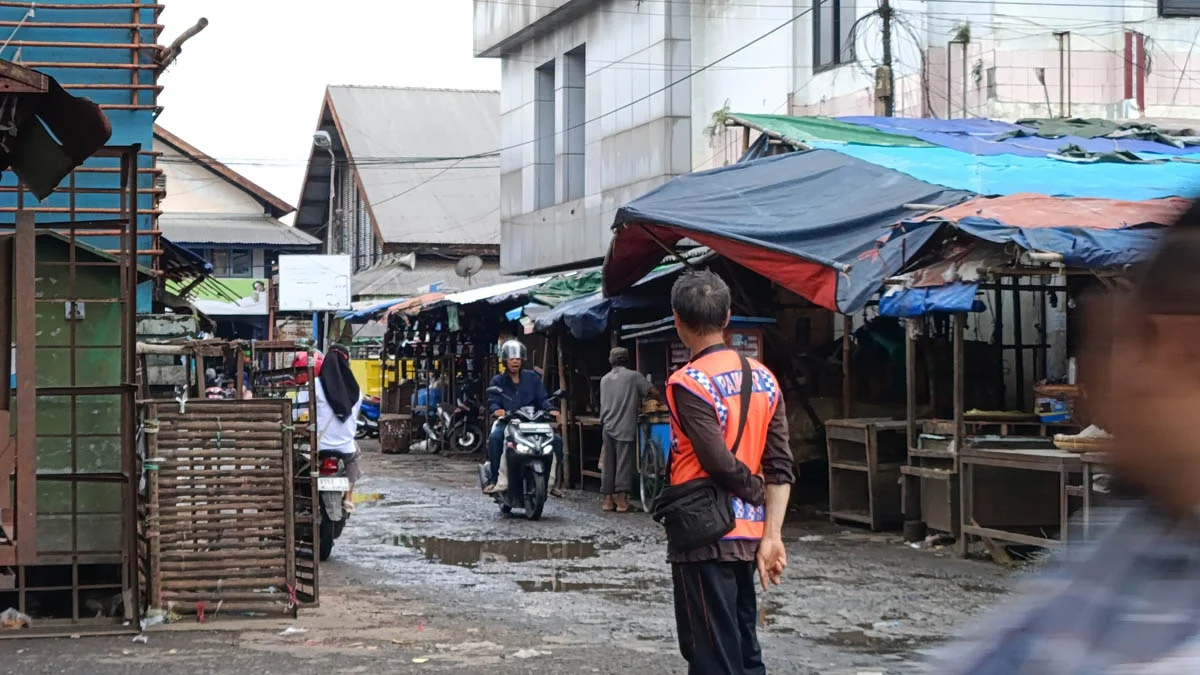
(617, 471)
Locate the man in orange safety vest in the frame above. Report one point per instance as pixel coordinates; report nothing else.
(750, 460)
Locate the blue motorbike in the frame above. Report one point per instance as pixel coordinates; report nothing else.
(368, 418)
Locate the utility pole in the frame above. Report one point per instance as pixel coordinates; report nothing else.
(885, 82)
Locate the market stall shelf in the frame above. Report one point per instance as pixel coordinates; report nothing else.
(865, 457)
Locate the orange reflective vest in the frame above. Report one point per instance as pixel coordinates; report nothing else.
(717, 378)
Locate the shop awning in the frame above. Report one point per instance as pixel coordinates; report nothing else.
(496, 293)
(1086, 233)
(365, 310)
(811, 221)
(586, 316)
(1010, 174)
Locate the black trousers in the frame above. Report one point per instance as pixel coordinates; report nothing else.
(716, 616)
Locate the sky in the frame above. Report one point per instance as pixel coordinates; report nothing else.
(248, 89)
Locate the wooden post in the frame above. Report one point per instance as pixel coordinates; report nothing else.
(241, 372)
(847, 380)
(564, 417)
(959, 436)
(912, 484)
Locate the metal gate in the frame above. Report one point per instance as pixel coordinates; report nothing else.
(67, 458)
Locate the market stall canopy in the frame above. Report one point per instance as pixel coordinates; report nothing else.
(1088, 233)
(810, 221)
(1013, 174)
(1084, 233)
(586, 316)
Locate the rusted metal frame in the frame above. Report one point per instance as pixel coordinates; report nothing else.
(83, 6)
(88, 65)
(82, 45)
(67, 210)
(25, 307)
(129, 381)
(7, 444)
(135, 76)
(72, 379)
(62, 24)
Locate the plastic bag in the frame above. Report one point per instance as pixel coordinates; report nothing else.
(11, 619)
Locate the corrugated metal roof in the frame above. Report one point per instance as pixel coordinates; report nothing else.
(391, 279)
(394, 138)
(231, 229)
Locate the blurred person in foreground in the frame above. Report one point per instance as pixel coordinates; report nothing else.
(1130, 602)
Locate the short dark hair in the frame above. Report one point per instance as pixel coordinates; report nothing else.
(1170, 282)
(701, 301)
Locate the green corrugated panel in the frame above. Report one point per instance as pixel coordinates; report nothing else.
(802, 130)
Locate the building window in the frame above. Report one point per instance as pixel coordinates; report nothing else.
(833, 43)
(544, 135)
(1179, 7)
(241, 264)
(574, 119)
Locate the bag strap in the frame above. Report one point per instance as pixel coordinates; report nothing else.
(747, 391)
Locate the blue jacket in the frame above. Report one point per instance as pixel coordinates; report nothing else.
(530, 391)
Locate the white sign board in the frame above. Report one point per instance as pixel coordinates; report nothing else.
(314, 283)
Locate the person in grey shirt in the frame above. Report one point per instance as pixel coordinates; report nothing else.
(621, 394)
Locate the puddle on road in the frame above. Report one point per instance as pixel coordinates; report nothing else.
(465, 553)
(859, 640)
(560, 586)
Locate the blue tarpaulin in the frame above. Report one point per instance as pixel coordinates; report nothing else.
(1011, 174)
(810, 221)
(913, 302)
(983, 137)
(1080, 247)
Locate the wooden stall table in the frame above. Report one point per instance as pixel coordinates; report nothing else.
(1027, 502)
(586, 424)
(865, 456)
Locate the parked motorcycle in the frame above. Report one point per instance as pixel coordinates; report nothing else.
(368, 418)
(457, 426)
(332, 484)
(529, 455)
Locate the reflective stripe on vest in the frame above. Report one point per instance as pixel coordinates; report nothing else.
(717, 379)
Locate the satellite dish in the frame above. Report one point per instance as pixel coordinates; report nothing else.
(468, 266)
(409, 260)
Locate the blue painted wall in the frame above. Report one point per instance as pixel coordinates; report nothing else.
(129, 126)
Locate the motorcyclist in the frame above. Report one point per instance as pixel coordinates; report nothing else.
(520, 388)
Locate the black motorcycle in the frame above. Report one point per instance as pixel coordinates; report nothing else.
(529, 454)
(457, 426)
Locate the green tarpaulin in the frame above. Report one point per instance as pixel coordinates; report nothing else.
(802, 130)
(561, 289)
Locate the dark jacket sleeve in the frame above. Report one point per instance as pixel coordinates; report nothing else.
(699, 423)
(778, 465)
(495, 401)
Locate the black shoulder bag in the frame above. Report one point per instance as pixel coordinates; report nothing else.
(699, 512)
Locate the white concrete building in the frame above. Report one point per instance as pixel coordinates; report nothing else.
(603, 100)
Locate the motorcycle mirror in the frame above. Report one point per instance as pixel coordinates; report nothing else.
(495, 390)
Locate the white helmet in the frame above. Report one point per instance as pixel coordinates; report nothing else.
(512, 349)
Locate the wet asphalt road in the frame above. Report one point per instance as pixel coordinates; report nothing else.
(431, 577)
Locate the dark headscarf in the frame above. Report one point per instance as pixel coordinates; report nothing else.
(341, 389)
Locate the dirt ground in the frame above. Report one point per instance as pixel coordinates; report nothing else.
(430, 577)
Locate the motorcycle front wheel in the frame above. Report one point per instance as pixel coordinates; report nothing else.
(468, 439)
(535, 495)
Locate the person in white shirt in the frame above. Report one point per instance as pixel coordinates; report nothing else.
(338, 402)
